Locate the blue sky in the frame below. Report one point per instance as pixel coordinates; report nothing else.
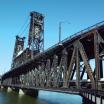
(13, 13)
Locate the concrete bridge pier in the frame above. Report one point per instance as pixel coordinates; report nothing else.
(9, 89)
(4, 88)
(1, 87)
(12, 89)
(21, 91)
(15, 89)
(33, 93)
(29, 92)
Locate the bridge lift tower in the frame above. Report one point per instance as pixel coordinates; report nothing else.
(35, 39)
(36, 33)
(19, 46)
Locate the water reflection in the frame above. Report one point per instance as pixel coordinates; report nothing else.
(45, 97)
(15, 98)
(59, 98)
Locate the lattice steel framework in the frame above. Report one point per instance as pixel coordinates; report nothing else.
(19, 46)
(36, 32)
(57, 66)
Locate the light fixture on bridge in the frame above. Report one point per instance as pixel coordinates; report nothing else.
(60, 44)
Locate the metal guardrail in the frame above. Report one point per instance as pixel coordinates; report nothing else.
(93, 92)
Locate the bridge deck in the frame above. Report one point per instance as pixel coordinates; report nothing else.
(60, 90)
(75, 91)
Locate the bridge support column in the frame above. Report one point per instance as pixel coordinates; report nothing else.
(15, 89)
(33, 93)
(9, 89)
(29, 92)
(1, 87)
(4, 88)
(21, 92)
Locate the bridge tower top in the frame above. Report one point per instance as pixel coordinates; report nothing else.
(36, 33)
(19, 45)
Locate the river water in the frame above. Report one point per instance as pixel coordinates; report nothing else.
(45, 97)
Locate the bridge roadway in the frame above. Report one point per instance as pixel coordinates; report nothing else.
(64, 66)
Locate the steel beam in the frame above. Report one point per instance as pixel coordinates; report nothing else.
(82, 74)
(73, 72)
(68, 74)
(101, 69)
(87, 65)
(77, 69)
(96, 50)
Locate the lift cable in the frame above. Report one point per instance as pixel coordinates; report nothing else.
(23, 27)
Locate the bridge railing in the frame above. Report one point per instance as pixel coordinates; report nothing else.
(93, 92)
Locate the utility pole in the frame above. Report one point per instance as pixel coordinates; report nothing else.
(60, 28)
(60, 23)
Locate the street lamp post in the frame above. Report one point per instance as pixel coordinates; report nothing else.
(60, 29)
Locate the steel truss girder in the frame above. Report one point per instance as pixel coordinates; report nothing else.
(78, 47)
(98, 68)
(77, 68)
(42, 75)
(53, 74)
(63, 67)
(73, 71)
(68, 74)
(82, 74)
(96, 50)
(47, 72)
(85, 60)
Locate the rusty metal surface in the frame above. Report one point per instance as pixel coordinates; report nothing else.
(56, 67)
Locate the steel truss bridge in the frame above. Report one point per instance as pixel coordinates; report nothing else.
(65, 67)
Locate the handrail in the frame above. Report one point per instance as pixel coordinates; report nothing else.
(93, 91)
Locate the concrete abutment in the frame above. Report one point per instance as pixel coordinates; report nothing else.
(21, 91)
